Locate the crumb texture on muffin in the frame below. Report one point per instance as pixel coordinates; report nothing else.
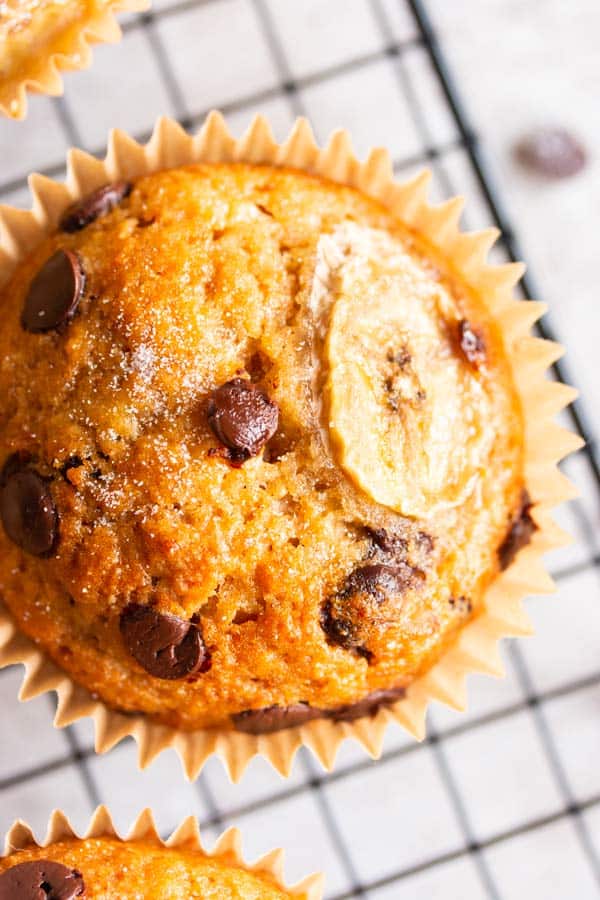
(261, 449)
(109, 869)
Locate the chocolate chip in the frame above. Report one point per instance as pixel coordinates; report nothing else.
(41, 879)
(471, 343)
(379, 581)
(365, 604)
(344, 628)
(27, 509)
(164, 645)
(274, 718)
(16, 462)
(368, 706)
(96, 204)
(389, 543)
(243, 418)
(54, 293)
(551, 152)
(277, 718)
(519, 533)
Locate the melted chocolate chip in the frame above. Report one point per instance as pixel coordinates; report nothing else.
(343, 627)
(164, 645)
(27, 509)
(258, 365)
(551, 152)
(389, 543)
(16, 462)
(274, 718)
(96, 204)
(365, 602)
(243, 418)
(54, 293)
(519, 533)
(368, 706)
(379, 581)
(277, 718)
(41, 879)
(471, 343)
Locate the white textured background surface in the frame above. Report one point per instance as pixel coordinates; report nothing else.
(503, 801)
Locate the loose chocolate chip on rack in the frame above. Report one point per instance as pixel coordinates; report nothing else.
(368, 706)
(164, 645)
(27, 509)
(471, 343)
(41, 879)
(243, 418)
(551, 152)
(96, 204)
(274, 718)
(277, 718)
(54, 293)
(519, 533)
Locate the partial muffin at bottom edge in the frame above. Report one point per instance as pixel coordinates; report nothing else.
(106, 867)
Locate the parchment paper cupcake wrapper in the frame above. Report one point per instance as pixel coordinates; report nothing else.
(42, 75)
(476, 649)
(186, 837)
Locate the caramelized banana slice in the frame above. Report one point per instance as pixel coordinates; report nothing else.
(407, 413)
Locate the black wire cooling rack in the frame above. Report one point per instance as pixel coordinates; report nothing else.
(339, 808)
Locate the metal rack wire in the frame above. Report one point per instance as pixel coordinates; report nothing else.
(533, 702)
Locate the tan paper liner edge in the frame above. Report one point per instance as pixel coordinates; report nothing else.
(186, 836)
(100, 28)
(476, 649)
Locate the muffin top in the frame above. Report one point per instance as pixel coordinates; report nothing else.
(262, 451)
(108, 869)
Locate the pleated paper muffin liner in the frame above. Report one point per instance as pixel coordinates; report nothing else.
(476, 649)
(186, 836)
(71, 49)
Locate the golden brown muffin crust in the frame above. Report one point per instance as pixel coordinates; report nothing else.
(117, 870)
(203, 275)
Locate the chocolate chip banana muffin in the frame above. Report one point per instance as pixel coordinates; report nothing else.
(261, 449)
(109, 869)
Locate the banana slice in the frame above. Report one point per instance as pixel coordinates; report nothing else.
(407, 415)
